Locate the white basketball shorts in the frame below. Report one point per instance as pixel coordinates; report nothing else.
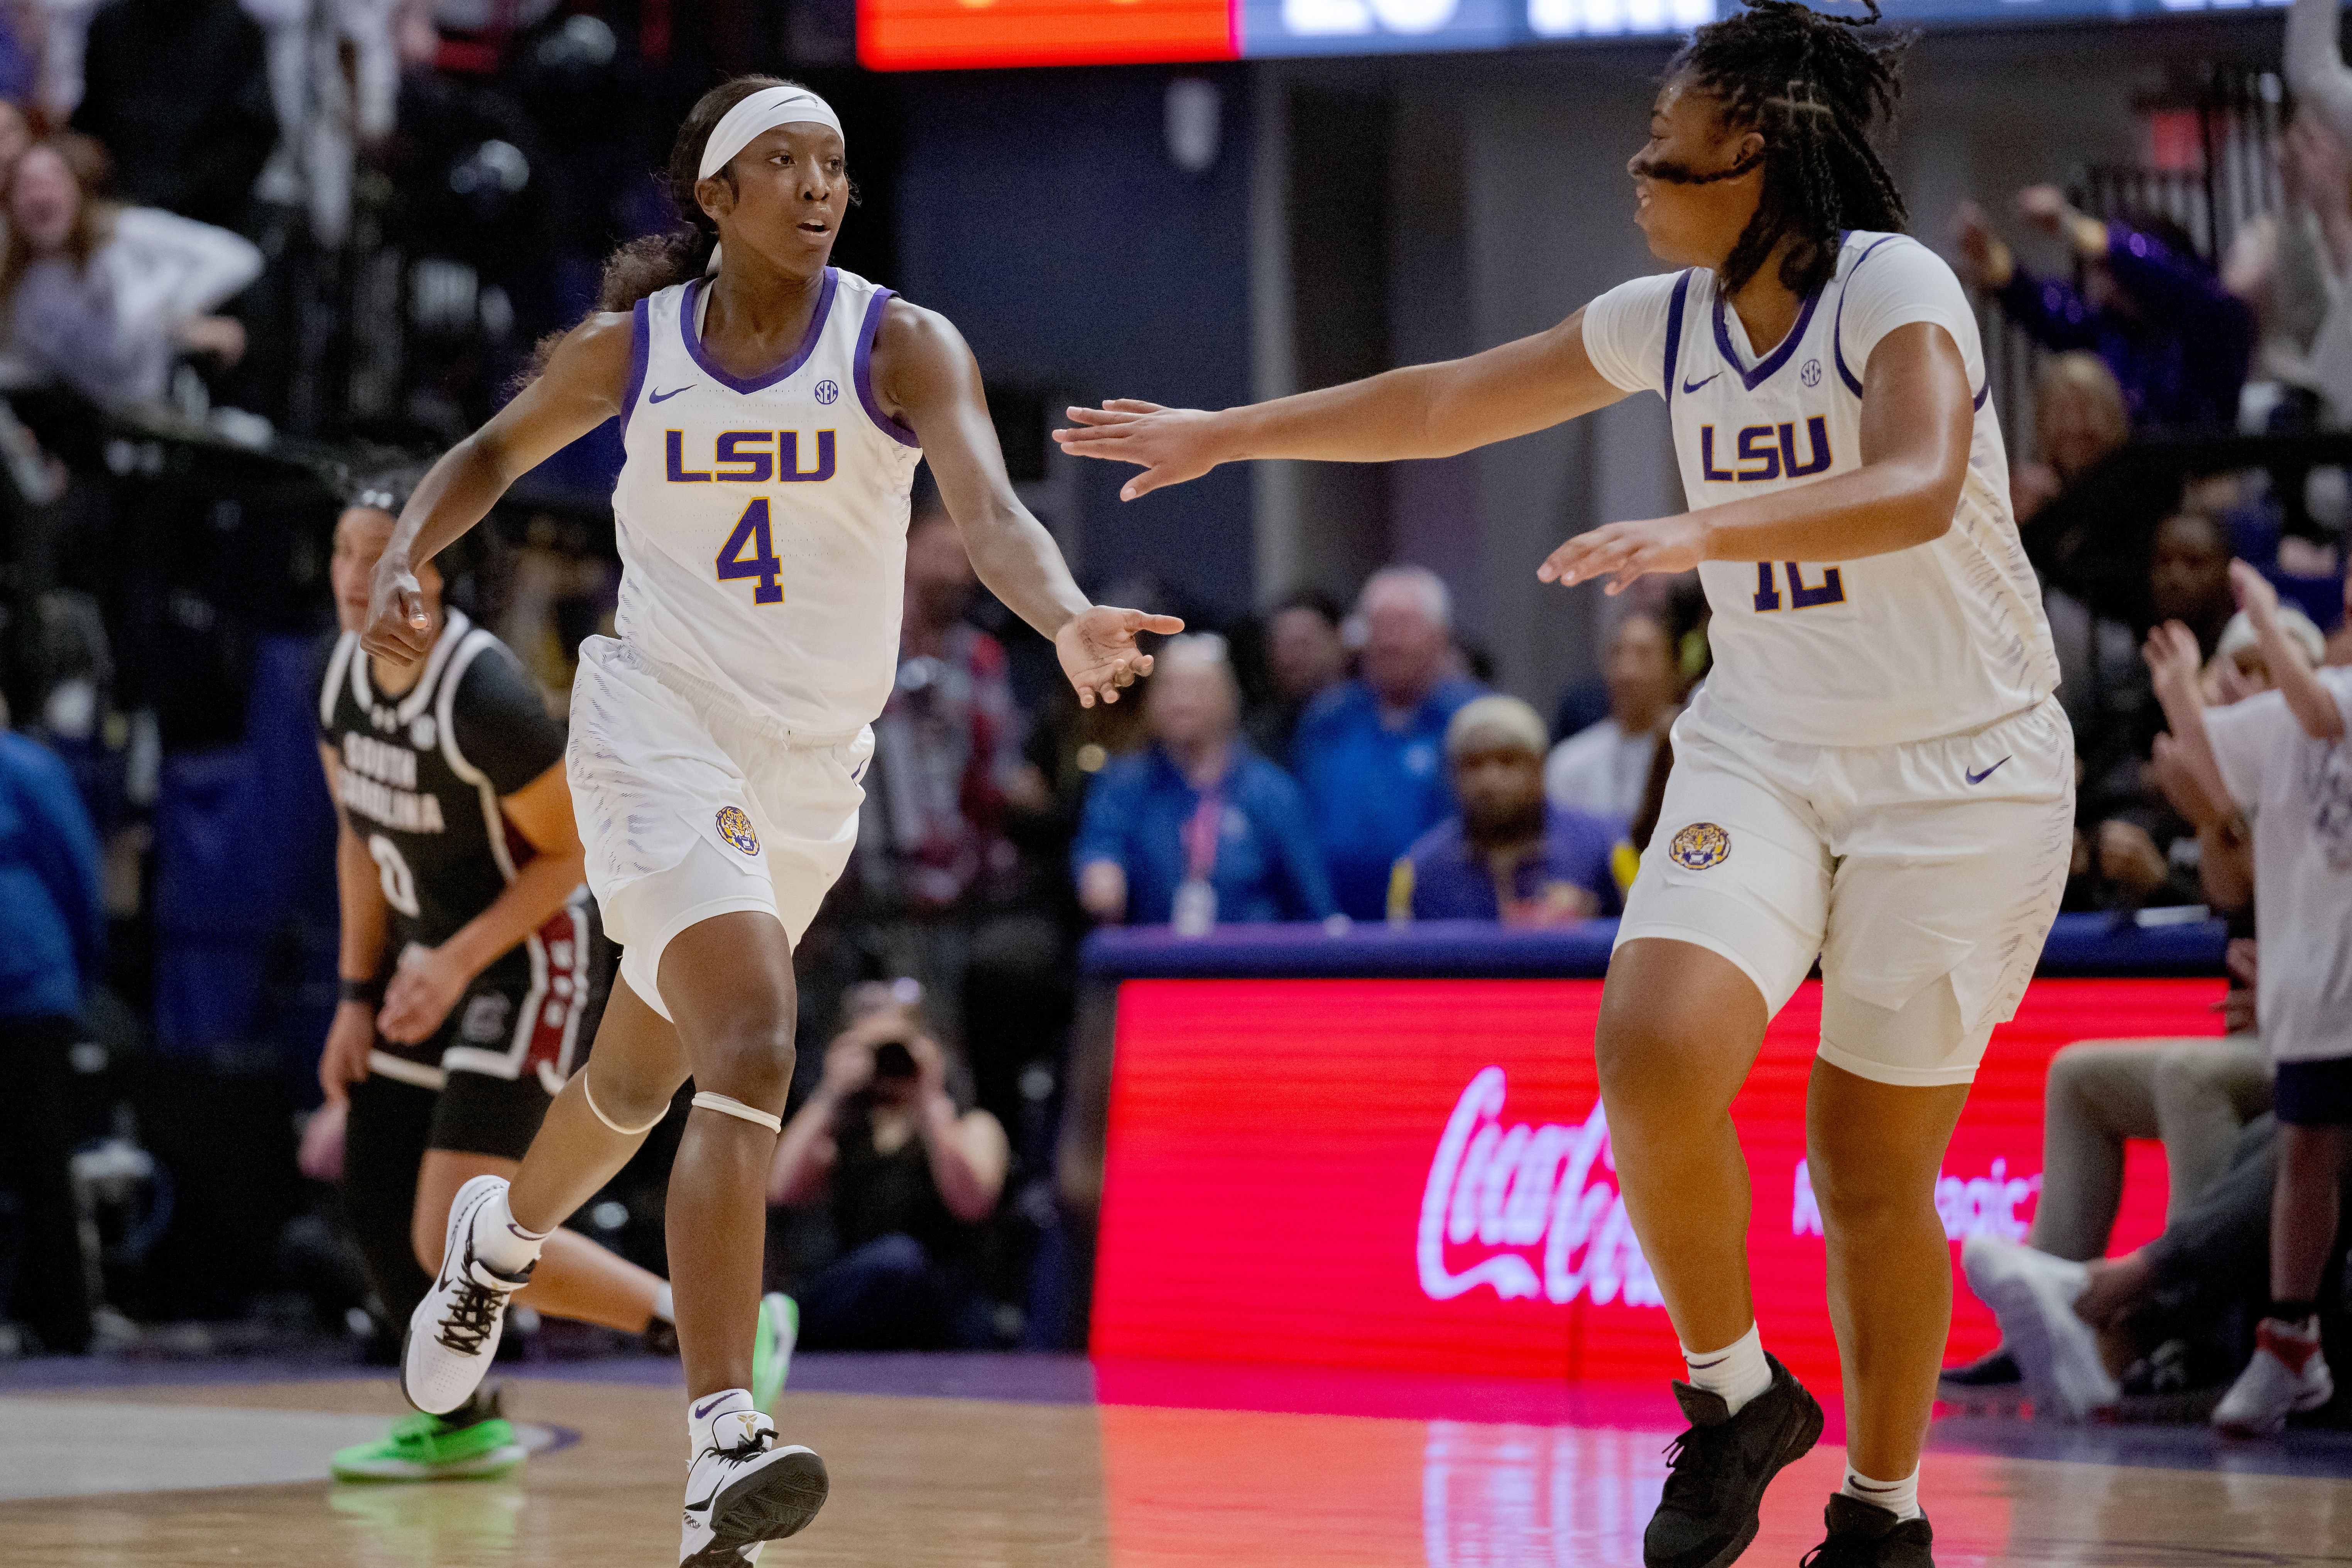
(690, 807)
(1924, 876)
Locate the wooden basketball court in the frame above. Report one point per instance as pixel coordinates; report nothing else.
(215, 1473)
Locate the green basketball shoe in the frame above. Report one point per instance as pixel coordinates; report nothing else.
(772, 1348)
(471, 1443)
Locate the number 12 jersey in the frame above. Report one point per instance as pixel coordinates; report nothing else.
(1933, 639)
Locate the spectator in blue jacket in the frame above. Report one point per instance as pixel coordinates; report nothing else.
(1369, 755)
(1512, 855)
(1200, 829)
(2150, 307)
(51, 927)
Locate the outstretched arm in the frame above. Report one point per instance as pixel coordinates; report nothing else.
(1917, 422)
(580, 390)
(2313, 706)
(2173, 662)
(925, 375)
(1421, 411)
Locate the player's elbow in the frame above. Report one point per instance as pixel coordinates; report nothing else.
(1925, 500)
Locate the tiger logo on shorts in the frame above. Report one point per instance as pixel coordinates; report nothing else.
(1699, 846)
(736, 829)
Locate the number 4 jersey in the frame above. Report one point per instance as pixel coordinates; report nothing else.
(1884, 650)
(420, 774)
(762, 519)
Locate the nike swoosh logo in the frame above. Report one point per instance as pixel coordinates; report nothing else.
(702, 1410)
(1981, 778)
(1694, 386)
(664, 397)
(706, 1503)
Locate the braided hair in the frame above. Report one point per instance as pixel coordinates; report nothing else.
(1813, 89)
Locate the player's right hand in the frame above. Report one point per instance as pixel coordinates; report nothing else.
(344, 1061)
(1169, 444)
(399, 628)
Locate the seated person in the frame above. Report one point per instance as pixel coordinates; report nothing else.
(2157, 1319)
(1512, 855)
(1200, 829)
(909, 1181)
(1368, 753)
(2194, 1094)
(1604, 768)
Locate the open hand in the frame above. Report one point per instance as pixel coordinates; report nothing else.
(1098, 652)
(1624, 551)
(399, 628)
(1169, 444)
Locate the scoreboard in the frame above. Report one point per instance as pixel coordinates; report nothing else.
(948, 34)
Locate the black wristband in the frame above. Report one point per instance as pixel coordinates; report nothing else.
(368, 991)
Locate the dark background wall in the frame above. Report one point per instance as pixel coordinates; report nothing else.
(1044, 214)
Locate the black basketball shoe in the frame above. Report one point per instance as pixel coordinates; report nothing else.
(1864, 1535)
(1720, 1468)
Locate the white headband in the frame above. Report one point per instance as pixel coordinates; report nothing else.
(763, 110)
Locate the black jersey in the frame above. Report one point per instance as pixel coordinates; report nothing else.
(420, 776)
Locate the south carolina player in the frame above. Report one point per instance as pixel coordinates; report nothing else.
(773, 409)
(473, 970)
(1877, 772)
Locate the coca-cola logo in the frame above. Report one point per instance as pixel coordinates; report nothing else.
(1529, 1212)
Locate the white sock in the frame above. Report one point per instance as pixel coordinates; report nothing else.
(500, 1242)
(1737, 1372)
(665, 1309)
(1900, 1499)
(721, 1420)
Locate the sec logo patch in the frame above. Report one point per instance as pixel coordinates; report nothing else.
(1699, 846)
(736, 829)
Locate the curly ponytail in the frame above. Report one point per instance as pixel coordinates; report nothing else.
(1815, 90)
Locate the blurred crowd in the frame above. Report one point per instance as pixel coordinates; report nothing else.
(1333, 758)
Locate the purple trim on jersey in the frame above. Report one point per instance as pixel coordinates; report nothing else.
(1674, 332)
(1773, 361)
(641, 344)
(864, 374)
(685, 308)
(1837, 324)
(1979, 402)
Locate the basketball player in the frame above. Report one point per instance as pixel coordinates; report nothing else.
(773, 409)
(1877, 772)
(473, 973)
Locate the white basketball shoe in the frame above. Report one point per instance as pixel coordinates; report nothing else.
(454, 1333)
(745, 1490)
(2033, 1294)
(2288, 1376)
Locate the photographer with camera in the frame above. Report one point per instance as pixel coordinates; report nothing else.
(909, 1179)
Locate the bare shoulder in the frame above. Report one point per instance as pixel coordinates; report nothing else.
(911, 332)
(597, 350)
(916, 352)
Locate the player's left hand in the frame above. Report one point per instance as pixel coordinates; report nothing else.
(1624, 551)
(1098, 652)
(424, 986)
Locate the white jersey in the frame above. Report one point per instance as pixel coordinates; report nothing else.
(762, 522)
(1939, 638)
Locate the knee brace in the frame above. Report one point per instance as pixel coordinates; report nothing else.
(598, 1111)
(728, 1106)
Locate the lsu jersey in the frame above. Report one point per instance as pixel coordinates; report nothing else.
(1933, 640)
(763, 520)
